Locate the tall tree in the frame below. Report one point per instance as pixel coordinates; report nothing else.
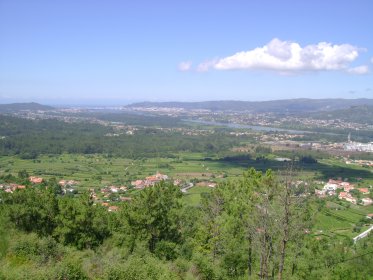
(80, 223)
(154, 216)
(32, 209)
(248, 224)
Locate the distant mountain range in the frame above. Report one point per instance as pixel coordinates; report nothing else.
(345, 109)
(287, 106)
(16, 107)
(358, 114)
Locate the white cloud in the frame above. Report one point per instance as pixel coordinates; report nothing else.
(185, 66)
(359, 70)
(289, 57)
(205, 66)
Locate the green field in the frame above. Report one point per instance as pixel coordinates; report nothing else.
(341, 218)
(193, 195)
(353, 173)
(101, 170)
(98, 170)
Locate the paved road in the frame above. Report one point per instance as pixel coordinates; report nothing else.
(185, 189)
(363, 234)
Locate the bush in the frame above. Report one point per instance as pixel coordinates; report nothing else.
(31, 247)
(166, 250)
(69, 270)
(307, 160)
(205, 267)
(139, 268)
(26, 246)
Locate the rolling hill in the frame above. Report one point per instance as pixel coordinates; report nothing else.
(16, 107)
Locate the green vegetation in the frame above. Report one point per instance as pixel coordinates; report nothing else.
(15, 107)
(29, 138)
(357, 114)
(194, 195)
(256, 224)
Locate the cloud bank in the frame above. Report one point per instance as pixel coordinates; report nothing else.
(290, 57)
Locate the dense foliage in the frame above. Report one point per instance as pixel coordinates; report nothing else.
(357, 114)
(255, 227)
(29, 138)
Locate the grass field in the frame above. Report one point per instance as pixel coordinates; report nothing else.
(340, 219)
(354, 173)
(193, 196)
(98, 170)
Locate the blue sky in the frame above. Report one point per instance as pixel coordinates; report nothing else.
(113, 52)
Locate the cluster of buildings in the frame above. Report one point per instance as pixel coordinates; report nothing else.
(113, 189)
(10, 188)
(106, 192)
(36, 180)
(360, 162)
(68, 183)
(149, 181)
(69, 186)
(332, 186)
(358, 147)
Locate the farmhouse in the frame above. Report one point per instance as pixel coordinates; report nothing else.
(348, 188)
(11, 187)
(363, 190)
(330, 187)
(16, 187)
(367, 201)
(347, 196)
(35, 180)
(149, 181)
(66, 183)
(138, 184)
(320, 193)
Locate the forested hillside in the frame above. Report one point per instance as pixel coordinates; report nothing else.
(15, 107)
(29, 138)
(357, 114)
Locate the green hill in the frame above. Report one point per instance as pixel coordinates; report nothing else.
(16, 107)
(358, 114)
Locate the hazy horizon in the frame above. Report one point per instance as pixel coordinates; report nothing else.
(118, 103)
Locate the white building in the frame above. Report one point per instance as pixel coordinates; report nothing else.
(367, 201)
(359, 147)
(330, 187)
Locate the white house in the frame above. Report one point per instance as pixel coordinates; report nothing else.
(367, 201)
